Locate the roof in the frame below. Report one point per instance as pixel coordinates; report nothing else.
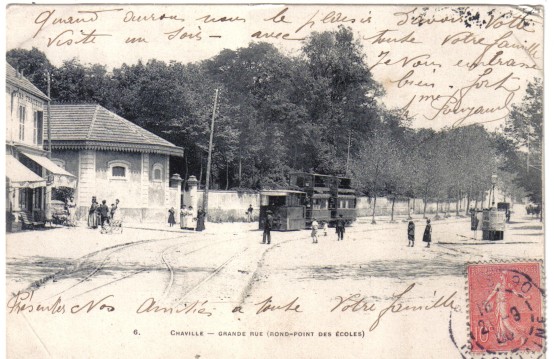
(311, 174)
(91, 126)
(22, 82)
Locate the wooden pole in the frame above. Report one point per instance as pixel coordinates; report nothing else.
(209, 167)
(48, 120)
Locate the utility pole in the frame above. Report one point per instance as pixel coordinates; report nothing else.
(48, 120)
(208, 170)
(528, 150)
(348, 151)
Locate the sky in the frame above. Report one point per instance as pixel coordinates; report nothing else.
(443, 66)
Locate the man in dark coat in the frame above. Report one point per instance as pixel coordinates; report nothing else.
(411, 233)
(104, 213)
(427, 233)
(340, 228)
(200, 217)
(250, 212)
(268, 225)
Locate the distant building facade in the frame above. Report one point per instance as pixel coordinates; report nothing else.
(30, 174)
(113, 158)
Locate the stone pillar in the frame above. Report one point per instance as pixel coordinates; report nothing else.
(175, 184)
(191, 198)
(144, 180)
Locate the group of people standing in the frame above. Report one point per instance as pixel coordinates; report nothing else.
(187, 218)
(426, 234)
(340, 228)
(100, 215)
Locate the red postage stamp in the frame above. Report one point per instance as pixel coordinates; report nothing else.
(506, 307)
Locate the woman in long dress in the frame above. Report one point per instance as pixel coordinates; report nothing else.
(116, 212)
(189, 218)
(200, 220)
(507, 329)
(182, 217)
(93, 214)
(427, 234)
(71, 209)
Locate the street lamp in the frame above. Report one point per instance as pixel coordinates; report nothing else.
(494, 177)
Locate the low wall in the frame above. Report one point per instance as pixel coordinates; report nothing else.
(230, 206)
(383, 207)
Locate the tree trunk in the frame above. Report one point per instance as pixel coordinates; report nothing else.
(424, 205)
(409, 210)
(392, 209)
(374, 201)
(482, 199)
(240, 168)
(447, 209)
(227, 175)
(458, 203)
(468, 200)
(437, 211)
(201, 170)
(186, 165)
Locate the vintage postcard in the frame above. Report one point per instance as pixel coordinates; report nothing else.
(274, 181)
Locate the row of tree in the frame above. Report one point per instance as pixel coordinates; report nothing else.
(317, 111)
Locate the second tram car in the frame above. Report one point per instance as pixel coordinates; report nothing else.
(327, 197)
(289, 212)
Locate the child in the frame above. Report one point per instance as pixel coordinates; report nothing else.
(411, 233)
(325, 226)
(315, 226)
(171, 219)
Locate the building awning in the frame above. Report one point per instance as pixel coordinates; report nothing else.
(19, 176)
(347, 196)
(59, 177)
(321, 195)
(279, 193)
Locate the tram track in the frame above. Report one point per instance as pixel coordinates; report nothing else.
(170, 267)
(163, 260)
(82, 261)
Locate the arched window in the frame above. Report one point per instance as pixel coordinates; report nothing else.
(157, 172)
(118, 170)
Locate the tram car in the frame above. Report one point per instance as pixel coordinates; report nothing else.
(327, 197)
(343, 199)
(318, 194)
(287, 207)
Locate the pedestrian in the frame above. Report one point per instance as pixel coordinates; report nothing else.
(508, 214)
(325, 227)
(249, 212)
(340, 228)
(268, 225)
(182, 216)
(114, 211)
(92, 221)
(315, 227)
(104, 213)
(171, 218)
(411, 233)
(189, 218)
(200, 220)
(71, 210)
(427, 233)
